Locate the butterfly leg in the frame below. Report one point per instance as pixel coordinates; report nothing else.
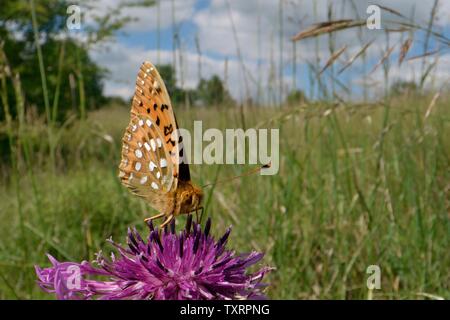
(196, 215)
(167, 221)
(154, 217)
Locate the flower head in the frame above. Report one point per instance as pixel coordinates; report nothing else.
(188, 265)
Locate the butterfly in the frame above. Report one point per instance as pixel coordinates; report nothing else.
(153, 164)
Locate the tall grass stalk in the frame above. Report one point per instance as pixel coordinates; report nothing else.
(331, 48)
(58, 82)
(20, 145)
(294, 65)
(13, 149)
(321, 88)
(174, 37)
(199, 61)
(386, 65)
(44, 84)
(158, 32)
(225, 74)
(239, 53)
(271, 92)
(425, 70)
(281, 52)
(258, 40)
(183, 69)
(360, 32)
(81, 90)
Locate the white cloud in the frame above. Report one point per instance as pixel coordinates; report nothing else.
(146, 18)
(216, 33)
(124, 65)
(409, 71)
(217, 41)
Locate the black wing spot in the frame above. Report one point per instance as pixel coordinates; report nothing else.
(157, 121)
(155, 106)
(148, 110)
(168, 130)
(164, 106)
(171, 142)
(180, 139)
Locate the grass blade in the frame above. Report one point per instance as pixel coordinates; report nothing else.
(327, 27)
(333, 58)
(352, 59)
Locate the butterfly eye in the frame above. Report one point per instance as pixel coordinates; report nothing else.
(189, 198)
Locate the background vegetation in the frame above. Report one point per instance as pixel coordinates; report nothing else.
(360, 183)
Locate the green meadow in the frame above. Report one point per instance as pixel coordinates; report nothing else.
(358, 185)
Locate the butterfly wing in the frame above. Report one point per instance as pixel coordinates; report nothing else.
(152, 150)
(145, 167)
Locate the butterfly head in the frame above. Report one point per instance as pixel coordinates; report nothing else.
(190, 198)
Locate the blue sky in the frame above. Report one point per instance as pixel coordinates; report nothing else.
(259, 40)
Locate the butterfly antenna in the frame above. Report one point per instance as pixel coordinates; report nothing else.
(247, 173)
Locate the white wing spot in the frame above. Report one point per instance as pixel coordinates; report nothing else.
(148, 122)
(143, 180)
(153, 144)
(121, 174)
(137, 166)
(155, 84)
(140, 144)
(154, 186)
(133, 127)
(151, 165)
(158, 142)
(130, 177)
(147, 146)
(163, 163)
(158, 175)
(142, 82)
(138, 153)
(141, 122)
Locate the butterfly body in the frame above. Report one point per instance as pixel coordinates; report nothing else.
(153, 163)
(188, 198)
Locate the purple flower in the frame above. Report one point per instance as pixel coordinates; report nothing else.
(188, 265)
